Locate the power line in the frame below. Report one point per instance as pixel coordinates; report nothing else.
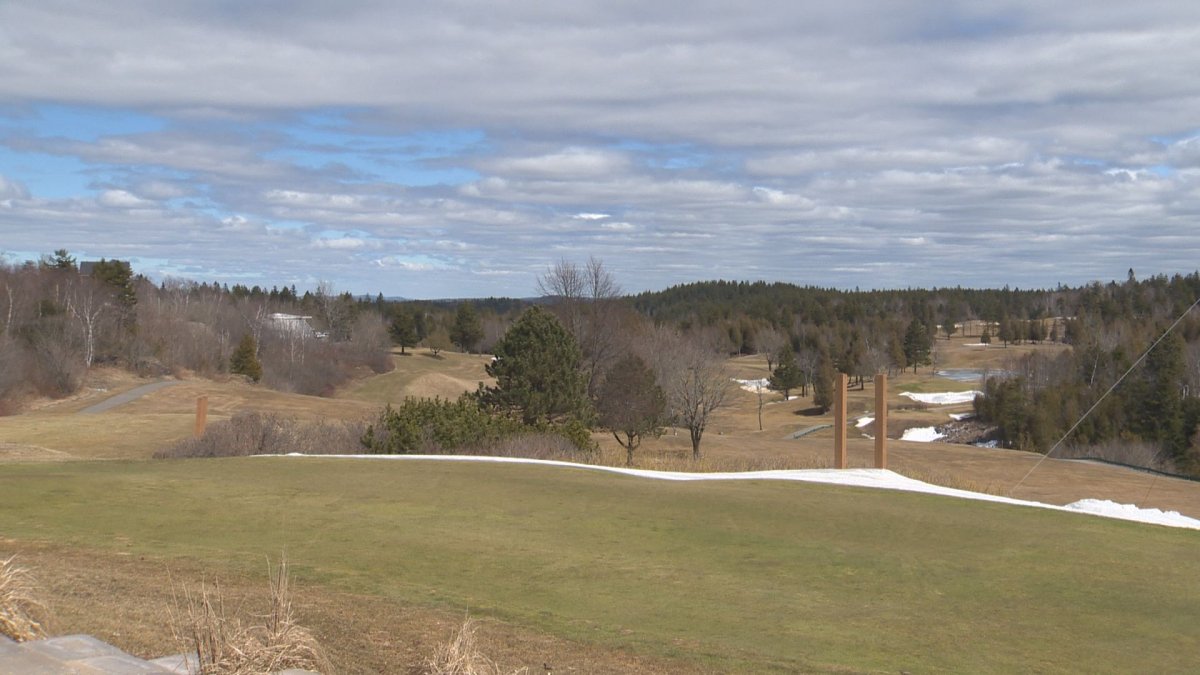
(1101, 399)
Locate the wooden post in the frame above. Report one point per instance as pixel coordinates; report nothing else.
(201, 415)
(881, 414)
(839, 421)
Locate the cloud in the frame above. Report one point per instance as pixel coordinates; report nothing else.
(12, 189)
(120, 199)
(974, 144)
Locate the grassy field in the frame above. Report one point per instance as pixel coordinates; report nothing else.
(748, 577)
(421, 374)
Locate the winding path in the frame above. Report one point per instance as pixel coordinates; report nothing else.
(127, 397)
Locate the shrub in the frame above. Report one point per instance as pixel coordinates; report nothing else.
(20, 609)
(225, 645)
(435, 426)
(267, 434)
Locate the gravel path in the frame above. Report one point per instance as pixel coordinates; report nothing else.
(131, 395)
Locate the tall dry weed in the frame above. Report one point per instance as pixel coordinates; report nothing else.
(225, 644)
(461, 655)
(22, 615)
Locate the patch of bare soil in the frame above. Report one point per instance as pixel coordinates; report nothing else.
(126, 600)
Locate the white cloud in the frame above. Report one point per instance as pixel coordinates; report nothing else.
(120, 199)
(1023, 143)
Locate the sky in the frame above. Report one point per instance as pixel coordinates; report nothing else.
(460, 148)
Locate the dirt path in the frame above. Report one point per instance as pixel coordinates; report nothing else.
(127, 397)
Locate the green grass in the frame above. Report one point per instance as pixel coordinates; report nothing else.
(743, 576)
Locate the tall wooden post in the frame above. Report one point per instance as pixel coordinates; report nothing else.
(839, 421)
(881, 414)
(201, 416)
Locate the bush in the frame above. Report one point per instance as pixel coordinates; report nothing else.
(20, 610)
(266, 434)
(438, 426)
(435, 426)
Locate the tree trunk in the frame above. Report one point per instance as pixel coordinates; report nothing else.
(696, 434)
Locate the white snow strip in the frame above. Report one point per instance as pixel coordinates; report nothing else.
(958, 417)
(753, 386)
(869, 478)
(974, 344)
(921, 434)
(943, 398)
(864, 421)
(1111, 509)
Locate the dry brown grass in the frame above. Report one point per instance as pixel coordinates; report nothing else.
(225, 645)
(461, 655)
(22, 615)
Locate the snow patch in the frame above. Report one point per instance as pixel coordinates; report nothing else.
(870, 478)
(974, 344)
(864, 421)
(753, 386)
(921, 434)
(943, 398)
(958, 417)
(1111, 509)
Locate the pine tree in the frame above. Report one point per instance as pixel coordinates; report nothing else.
(244, 360)
(917, 344)
(403, 329)
(537, 371)
(823, 383)
(467, 330)
(787, 375)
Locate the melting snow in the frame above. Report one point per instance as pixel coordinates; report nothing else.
(871, 478)
(921, 434)
(943, 398)
(1111, 509)
(753, 386)
(958, 417)
(864, 421)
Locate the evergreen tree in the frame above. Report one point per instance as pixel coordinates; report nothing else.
(119, 275)
(823, 384)
(630, 403)
(244, 360)
(61, 260)
(403, 329)
(467, 330)
(537, 371)
(787, 375)
(917, 345)
(1162, 399)
(986, 338)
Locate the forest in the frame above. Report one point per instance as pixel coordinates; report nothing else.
(60, 317)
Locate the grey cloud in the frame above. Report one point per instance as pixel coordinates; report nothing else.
(833, 143)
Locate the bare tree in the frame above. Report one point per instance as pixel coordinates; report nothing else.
(586, 303)
(694, 379)
(768, 341)
(86, 303)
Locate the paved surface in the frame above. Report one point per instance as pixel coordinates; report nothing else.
(804, 432)
(85, 655)
(127, 397)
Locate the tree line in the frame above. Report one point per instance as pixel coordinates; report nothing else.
(59, 318)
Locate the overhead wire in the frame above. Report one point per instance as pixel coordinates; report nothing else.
(1100, 400)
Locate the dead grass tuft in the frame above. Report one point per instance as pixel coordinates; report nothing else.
(945, 479)
(461, 655)
(22, 615)
(224, 644)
